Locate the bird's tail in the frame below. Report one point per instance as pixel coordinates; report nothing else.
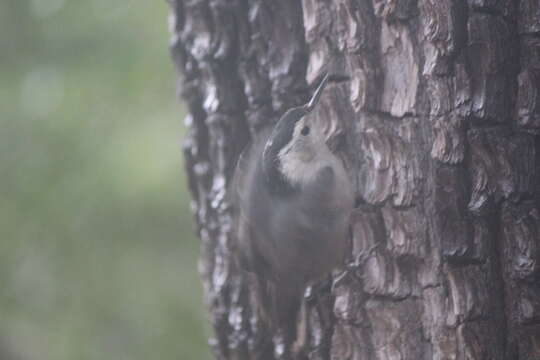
(279, 306)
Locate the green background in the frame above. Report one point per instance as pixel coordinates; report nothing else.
(97, 254)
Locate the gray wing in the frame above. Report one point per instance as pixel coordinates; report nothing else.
(244, 189)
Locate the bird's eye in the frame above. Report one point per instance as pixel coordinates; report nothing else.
(305, 130)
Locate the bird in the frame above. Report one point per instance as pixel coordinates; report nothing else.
(293, 199)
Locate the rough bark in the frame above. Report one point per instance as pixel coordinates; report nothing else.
(440, 119)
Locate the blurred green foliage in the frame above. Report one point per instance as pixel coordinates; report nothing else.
(97, 256)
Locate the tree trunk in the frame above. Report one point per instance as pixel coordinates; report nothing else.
(439, 118)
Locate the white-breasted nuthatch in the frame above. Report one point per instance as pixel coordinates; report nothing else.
(293, 201)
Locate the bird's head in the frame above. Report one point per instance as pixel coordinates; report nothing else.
(296, 145)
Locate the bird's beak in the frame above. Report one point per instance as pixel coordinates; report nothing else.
(317, 95)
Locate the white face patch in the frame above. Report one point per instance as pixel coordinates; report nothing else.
(305, 155)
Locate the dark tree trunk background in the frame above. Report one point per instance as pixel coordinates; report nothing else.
(440, 120)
